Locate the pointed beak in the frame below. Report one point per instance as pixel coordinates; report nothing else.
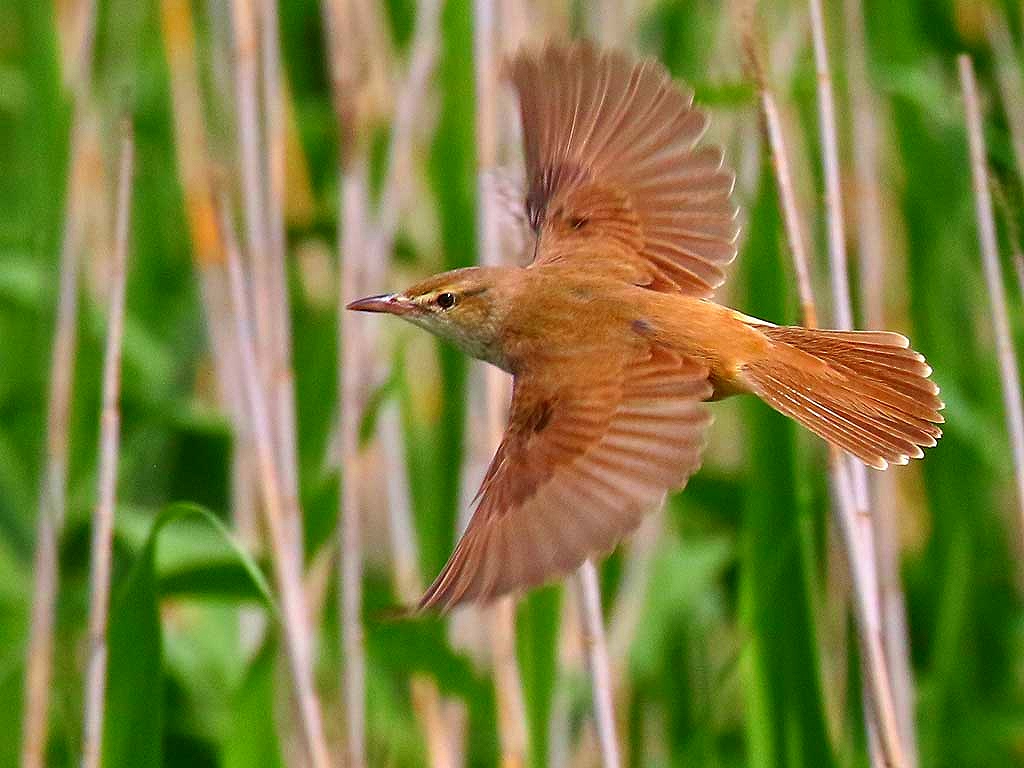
(391, 303)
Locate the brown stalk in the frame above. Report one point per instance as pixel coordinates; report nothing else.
(277, 513)
(53, 493)
(280, 375)
(871, 249)
(101, 554)
(1008, 371)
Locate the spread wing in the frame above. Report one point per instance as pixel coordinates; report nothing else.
(612, 158)
(577, 468)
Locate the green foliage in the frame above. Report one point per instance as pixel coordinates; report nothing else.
(725, 667)
(134, 732)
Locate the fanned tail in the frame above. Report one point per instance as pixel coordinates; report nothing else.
(866, 392)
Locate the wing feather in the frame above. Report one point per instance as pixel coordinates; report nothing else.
(578, 467)
(612, 160)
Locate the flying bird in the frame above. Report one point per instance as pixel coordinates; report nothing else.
(612, 337)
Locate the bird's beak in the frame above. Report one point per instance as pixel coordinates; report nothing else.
(391, 303)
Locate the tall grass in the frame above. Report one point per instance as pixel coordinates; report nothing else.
(722, 646)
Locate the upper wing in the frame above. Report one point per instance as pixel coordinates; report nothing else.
(577, 468)
(611, 153)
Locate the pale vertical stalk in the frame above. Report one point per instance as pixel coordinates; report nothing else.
(884, 736)
(394, 198)
(865, 107)
(353, 239)
(1011, 93)
(1010, 80)
(612, 22)
(596, 653)
(426, 698)
(287, 568)
(508, 687)
(254, 209)
(994, 277)
(348, 22)
(841, 309)
(856, 538)
(851, 477)
(871, 248)
(1012, 232)
(629, 603)
(78, 67)
(407, 120)
(53, 493)
(280, 375)
(101, 554)
(190, 139)
(790, 211)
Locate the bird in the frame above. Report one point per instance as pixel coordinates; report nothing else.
(612, 337)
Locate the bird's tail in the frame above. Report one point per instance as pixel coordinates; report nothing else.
(866, 392)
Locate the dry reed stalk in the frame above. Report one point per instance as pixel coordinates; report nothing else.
(287, 569)
(629, 603)
(257, 247)
(101, 553)
(1009, 79)
(841, 309)
(53, 493)
(1012, 231)
(280, 374)
(1011, 93)
(871, 249)
(190, 138)
(347, 21)
(407, 120)
(1008, 370)
(394, 199)
(251, 170)
(78, 63)
(426, 699)
(353, 239)
(596, 654)
(851, 476)
(786, 190)
(857, 538)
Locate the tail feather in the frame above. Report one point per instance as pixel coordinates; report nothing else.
(866, 392)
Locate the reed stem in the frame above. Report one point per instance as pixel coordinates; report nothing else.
(287, 569)
(1008, 370)
(101, 554)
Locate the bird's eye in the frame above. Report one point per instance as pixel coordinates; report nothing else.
(446, 300)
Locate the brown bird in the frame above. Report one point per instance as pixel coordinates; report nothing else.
(611, 336)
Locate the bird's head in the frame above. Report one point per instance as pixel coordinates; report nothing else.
(464, 306)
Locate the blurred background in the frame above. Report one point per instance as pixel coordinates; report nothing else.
(331, 149)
